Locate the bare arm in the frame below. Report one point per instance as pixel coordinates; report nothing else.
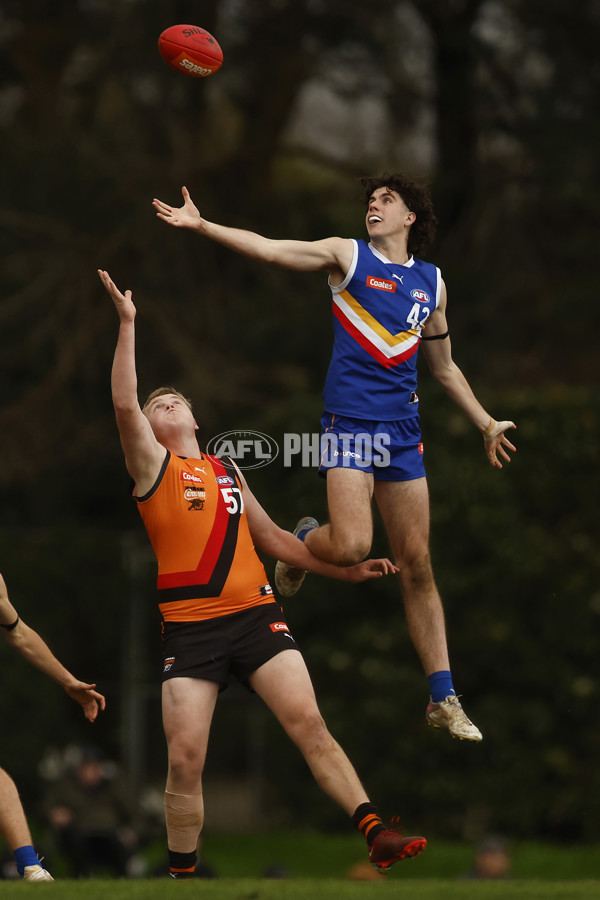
(143, 453)
(438, 354)
(283, 545)
(333, 255)
(31, 646)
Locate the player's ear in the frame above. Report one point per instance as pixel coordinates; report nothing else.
(410, 218)
(196, 426)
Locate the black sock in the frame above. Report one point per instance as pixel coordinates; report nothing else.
(367, 820)
(182, 862)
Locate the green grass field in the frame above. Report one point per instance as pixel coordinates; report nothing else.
(304, 889)
(314, 855)
(318, 867)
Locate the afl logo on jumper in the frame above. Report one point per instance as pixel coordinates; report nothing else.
(421, 296)
(381, 284)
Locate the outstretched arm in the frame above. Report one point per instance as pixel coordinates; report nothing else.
(143, 454)
(438, 354)
(333, 255)
(283, 545)
(31, 646)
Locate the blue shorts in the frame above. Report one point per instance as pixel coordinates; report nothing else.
(390, 451)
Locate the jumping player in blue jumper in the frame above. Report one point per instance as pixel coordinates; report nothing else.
(386, 303)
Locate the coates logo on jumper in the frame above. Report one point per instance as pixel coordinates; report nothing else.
(381, 284)
(278, 626)
(421, 296)
(248, 449)
(189, 478)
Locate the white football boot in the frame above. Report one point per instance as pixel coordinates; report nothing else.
(449, 714)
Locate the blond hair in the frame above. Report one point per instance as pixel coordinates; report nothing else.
(159, 392)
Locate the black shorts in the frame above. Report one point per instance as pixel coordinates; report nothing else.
(237, 644)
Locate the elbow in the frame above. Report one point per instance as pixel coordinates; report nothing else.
(440, 375)
(269, 252)
(443, 374)
(14, 639)
(125, 406)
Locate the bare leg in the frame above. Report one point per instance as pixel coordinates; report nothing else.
(188, 706)
(13, 824)
(285, 686)
(404, 507)
(347, 538)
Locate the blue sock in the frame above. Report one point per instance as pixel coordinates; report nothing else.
(304, 531)
(440, 685)
(25, 856)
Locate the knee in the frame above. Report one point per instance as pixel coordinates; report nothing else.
(415, 569)
(351, 551)
(185, 762)
(306, 726)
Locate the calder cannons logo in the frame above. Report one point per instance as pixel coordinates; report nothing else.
(248, 449)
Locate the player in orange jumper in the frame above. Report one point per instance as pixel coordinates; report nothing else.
(219, 615)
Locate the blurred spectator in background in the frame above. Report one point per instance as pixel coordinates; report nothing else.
(276, 870)
(492, 858)
(91, 821)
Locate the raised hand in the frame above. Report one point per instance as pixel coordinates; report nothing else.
(186, 216)
(495, 441)
(123, 302)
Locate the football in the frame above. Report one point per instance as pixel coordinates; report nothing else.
(191, 50)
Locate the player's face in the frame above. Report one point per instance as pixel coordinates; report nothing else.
(387, 214)
(167, 412)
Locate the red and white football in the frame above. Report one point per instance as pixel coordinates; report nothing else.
(191, 50)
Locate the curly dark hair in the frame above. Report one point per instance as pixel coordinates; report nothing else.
(417, 199)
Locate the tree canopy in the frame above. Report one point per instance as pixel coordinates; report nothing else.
(494, 103)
